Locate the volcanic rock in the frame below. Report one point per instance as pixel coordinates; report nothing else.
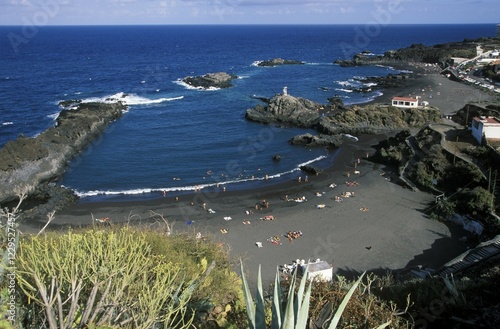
(287, 109)
(211, 80)
(25, 163)
(317, 140)
(279, 61)
(311, 170)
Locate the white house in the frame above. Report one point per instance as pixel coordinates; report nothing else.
(405, 102)
(318, 270)
(489, 127)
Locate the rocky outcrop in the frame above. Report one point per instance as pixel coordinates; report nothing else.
(279, 61)
(311, 170)
(441, 54)
(311, 140)
(376, 119)
(211, 80)
(342, 122)
(288, 110)
(26, 163)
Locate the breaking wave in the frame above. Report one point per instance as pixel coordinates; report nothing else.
(130, 99)
(196, 187)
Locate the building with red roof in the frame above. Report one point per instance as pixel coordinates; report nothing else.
(405, 102)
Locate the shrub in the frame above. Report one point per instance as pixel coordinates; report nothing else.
(99, 277)
(320, 305)
(476, 201)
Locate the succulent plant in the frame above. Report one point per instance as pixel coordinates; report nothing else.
(296, 312)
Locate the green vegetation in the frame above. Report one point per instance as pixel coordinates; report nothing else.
(393, 150)
(329, 305)
(110, 277)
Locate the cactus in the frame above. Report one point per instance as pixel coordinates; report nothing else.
(296, 312)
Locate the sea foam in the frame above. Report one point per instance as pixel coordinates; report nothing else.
(130, 99)
(198, 187)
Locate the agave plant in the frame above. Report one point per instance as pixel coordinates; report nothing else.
(296, 312)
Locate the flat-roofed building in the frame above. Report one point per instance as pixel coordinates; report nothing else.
(406, 102)
(489, 127)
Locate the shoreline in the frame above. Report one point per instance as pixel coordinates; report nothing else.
(383, 228)
(395, 229)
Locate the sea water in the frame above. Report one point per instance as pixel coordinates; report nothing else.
(177, 138)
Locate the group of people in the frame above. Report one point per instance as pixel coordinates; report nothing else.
(292, 235)
(262, 204)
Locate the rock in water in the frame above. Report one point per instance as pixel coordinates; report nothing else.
(279, 61)
(311, 170)
(211, 80)
(310, 140)
(287, 109)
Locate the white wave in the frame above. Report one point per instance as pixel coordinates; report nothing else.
(7, 123)
(256, 63)
(321, 157)
(371, 97)
(386, 66)
(349, 83)
(344, 90)
(370, 84)
(53, 116)
(188, 86)
(193, 187)
(130, 99)
(317, 63)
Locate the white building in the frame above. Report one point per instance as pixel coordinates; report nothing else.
(318, 270)
(405, 102)
(489, 127)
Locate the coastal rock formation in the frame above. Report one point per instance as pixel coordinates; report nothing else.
(211, 80)
(26, 163)
(441, 54)
(311, 140)
(311, 170)
(279, 61)
(287, 109)
(341, 121)
(375, 119)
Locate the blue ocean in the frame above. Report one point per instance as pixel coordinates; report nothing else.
(177, 138)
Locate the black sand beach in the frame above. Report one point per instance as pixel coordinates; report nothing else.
(383, 227)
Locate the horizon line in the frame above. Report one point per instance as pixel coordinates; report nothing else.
(240, 24)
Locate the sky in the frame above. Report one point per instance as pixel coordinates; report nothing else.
(132, 12)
